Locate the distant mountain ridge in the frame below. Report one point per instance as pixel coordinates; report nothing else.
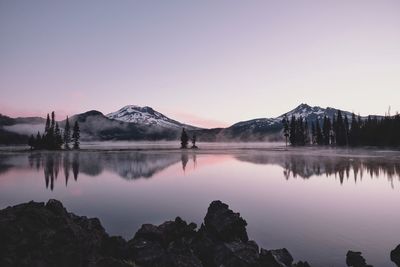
(144, 123)
(263, 129)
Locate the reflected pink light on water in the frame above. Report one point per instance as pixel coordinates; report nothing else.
(313, 205)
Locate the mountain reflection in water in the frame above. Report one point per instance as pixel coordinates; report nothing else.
(318, 204)
(137, 165)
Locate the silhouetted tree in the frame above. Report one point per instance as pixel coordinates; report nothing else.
(194, 139)
(306, 133)
(372, 131)
(300, 133)
(76, 135)
(346, 130)
(184, 139)
(58, 141)
(47, 126)
(49, 139)
(320, 138)
(38, 141)
(326, 130)
(292, 131)
(313, 134)
(31, 142)
(285, 123)
(354, 130)
(339, 129)
(53, 120)
(67, 134)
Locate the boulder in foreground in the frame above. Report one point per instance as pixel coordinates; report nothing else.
(38, 234)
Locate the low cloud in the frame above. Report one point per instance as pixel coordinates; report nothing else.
(25, 128)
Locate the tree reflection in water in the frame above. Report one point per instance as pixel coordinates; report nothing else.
(307, 166)
(137, 165)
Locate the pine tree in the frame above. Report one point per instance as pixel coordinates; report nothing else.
(332, 133)
(31, 142)
(313, 133)
(292, 131)
(320, 137)
(346, 130)
(194, 139)
(184, 139)
(76, 135)
(49, 140)
(300, 137)
(53, 121)
(340, 130)
(67, 134)
(38, 141)
(306, 133)
(325, 130)
(285, 123)
(47, 127)
(354, 131)
(58, 141)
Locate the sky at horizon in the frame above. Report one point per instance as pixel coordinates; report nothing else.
(207, 63)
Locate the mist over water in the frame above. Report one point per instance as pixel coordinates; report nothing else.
(316, 203)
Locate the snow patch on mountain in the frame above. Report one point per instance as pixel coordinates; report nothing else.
(145, 116)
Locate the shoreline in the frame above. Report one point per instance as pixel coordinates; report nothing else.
(224, 148)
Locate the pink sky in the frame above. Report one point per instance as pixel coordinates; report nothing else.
(206, 63)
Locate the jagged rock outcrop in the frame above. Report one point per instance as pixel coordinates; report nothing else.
(35, 234)
(164, 245)
(224, 224)
(395, 255)
(38, 234)
(355, 259)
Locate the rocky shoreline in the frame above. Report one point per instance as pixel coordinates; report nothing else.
(38, 234)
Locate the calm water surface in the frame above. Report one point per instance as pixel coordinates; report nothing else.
(316, 205)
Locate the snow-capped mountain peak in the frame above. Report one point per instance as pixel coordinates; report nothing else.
(305, 111)
(144, 116)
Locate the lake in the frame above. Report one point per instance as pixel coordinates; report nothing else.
(316, 203)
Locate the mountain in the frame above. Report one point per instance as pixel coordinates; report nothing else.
(144, 123)
(146, 116)
(94, 125)
(128, 123)
(269, 129)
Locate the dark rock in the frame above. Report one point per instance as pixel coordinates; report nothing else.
(224, 224)
(56, 207)
(222, 241)
(301, 264)
(35, 234)
(115, 247)
(165, 245)
(236, 253)
(111, 262)
(355, 259)
(276, 257)
(395, 255)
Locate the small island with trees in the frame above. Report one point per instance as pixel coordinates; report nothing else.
(54, 138)
(185, 140)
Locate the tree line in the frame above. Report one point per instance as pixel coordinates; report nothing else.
(342, 131)
(54, 138)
